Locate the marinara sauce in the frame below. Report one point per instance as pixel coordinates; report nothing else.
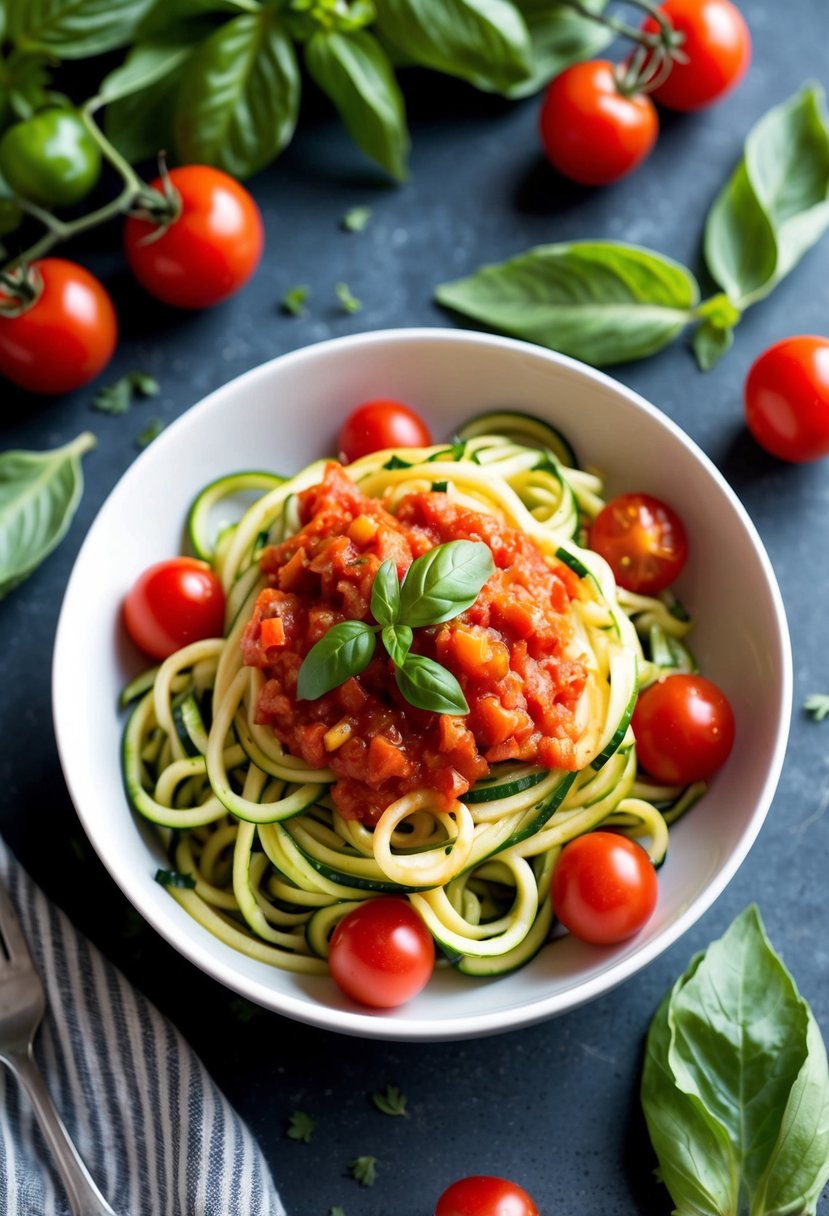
(510, 651)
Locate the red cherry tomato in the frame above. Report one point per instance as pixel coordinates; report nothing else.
(604, 887)
(381, 953)
(716, 52)
(592, 132)
(642, 540)
(208, 251)
(684, 728)
(481, 1195)
(65, 337)
(381, 424)
(173, 603)
(787, 399)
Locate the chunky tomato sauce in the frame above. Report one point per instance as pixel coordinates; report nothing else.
(509, 651)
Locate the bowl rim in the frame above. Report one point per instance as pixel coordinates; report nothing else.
(402, 1026)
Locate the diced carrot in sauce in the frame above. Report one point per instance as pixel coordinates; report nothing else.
(272, 632)
(508, 650)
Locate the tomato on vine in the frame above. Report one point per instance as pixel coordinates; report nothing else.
(604, 887)
(684, 728)
(592, 130)
(483, 1195)
(787, 398)
(202, 244)
(51, 158)
(714, 52)
(57, 326)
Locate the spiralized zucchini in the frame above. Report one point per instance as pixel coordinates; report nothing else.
(260, 855)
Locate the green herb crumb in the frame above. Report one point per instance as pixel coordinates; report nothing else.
(817, 704)
(117, 398)
(300, 1127)
(151, 431)
(348, 302)
(363, 1170)
(294, 300)
(356, 219)
(390, 1101)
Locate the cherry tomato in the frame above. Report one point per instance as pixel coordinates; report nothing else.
(173, 603)
(684, 728)
(481, 1195)
(716, 52)
(590, 130)
(381, 424)
(64, 336)
(787, 399)
(381, 953)
(50, 158)
(642, 540)
(208, 250)
(604, 887)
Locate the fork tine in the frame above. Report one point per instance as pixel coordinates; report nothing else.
(11, 932)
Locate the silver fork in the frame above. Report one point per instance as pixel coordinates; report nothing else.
(22, 1006)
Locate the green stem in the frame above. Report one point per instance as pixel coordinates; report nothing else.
(651, 41)
(109, 152)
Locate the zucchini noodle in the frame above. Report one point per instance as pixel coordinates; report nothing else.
(262, 858)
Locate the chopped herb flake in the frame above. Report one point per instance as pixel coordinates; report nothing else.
(390, 1101)
(336, 1211)
(116, 398)
(151, 431)
(294, 300)
(817, 705)
(348, 302)
(363, 1170)
(300, 1127)
(356, 219)
(440, 487)
(394, 462)
(174, 878)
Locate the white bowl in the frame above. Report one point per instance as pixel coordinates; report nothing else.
(283, 415)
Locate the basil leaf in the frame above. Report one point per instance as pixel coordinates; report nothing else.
(385, 594)
(776, 204)
(483, 41)
(39, 493)
(736, 1084)
(239, 97)
(345, 651)
(560, 36)
(74, 29)
(600, 301)
(397, 640)
(444, 582)
(427, 685)
(711, 341)
(355, 72)
(145, 65)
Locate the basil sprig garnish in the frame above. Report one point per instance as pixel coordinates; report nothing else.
(437, 587)
(735, 1086)
(608, 302)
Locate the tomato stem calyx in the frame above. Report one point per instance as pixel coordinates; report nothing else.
(22, 287)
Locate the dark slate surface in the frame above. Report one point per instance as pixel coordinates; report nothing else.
(554, 1106)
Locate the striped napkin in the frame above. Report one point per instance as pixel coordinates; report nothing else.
(154, 1131)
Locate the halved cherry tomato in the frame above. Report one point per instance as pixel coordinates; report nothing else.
(716, 52)
(604, 887)
(591, 131)
(787, 399)
(642, 540)
(205, 252)
(381, 953)
(64, 336)
(482, 1195)
(173, 603)
(381, 424)
(684, 728)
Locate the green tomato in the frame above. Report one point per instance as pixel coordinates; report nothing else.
(11, 217)
(50, 159)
